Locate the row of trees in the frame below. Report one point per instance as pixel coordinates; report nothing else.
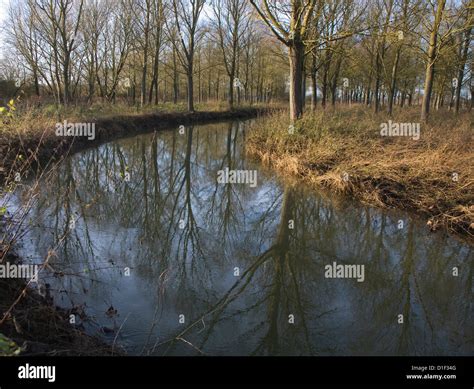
(377, 52)
(147, 50)
(383, 33)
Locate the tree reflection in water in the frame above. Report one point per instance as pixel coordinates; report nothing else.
(183, 235)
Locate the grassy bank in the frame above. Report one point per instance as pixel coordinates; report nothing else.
(344, 151)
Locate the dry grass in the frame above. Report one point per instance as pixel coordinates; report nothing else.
(30, 121)
(344, 151)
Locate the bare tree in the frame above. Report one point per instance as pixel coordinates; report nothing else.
(186, 16)
(463, 53)
(433, 51)
(290, 25)
(59, 21)
(231, 19)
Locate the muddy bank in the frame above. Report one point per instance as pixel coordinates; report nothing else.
(38, 327)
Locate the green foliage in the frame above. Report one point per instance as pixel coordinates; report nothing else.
(8, 347)
(6, 113)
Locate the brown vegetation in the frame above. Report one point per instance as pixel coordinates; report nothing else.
(344, 151)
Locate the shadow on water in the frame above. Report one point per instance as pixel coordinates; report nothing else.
(193, 266)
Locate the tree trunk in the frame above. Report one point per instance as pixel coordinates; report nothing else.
(175, 78)
(461, 68)
(231, 92)
(334, 81)
(190, 87)
(314, 96)
(296, 56)
(314, 85)
(325, 87)
(393, 82)
(432, 54)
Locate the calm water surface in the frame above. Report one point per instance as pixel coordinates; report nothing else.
(193, 266)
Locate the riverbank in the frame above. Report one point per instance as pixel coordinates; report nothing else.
(29, 142)
(30, 324)
(344, 150)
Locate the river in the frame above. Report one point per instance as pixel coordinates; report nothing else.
(156, 256)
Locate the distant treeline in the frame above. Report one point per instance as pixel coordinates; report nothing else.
(375, 52)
